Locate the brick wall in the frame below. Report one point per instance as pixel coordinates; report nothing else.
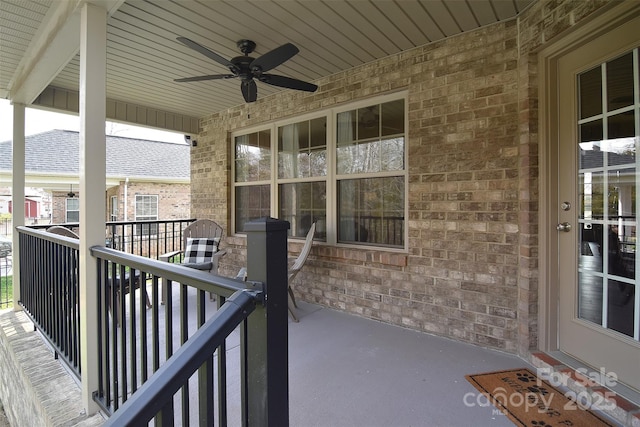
(173, 200)
(59, 206)
(471, 271)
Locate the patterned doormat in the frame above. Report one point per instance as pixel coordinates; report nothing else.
(531, 401)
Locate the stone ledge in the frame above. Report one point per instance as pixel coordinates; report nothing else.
(36, 389)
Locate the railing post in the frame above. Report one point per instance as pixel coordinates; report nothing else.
(265, 380)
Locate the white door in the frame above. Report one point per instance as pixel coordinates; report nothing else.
(599, 201)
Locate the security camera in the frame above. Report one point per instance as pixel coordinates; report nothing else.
(187, 139)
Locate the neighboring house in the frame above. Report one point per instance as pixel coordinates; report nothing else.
(145, 179)
(33, 206)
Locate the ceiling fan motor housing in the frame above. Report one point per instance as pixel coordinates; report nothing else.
(243, 64)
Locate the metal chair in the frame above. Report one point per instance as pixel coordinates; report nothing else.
(199, 229)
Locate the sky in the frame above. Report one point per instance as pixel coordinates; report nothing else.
(37, 121)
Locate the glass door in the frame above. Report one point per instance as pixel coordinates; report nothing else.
(599, 130)
(607, 195)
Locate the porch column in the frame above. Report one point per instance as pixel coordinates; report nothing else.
(17, 194)
(93, 47)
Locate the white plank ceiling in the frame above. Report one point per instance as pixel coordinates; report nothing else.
(143, 56)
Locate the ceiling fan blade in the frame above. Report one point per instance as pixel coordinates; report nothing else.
(287, 82)
(208, 53)
(208, 77)
(249, 90)
(274, 57)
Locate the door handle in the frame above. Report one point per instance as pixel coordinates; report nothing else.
(565, 226)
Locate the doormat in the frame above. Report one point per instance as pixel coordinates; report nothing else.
(531, 401)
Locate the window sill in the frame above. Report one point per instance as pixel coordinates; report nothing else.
(368, 254)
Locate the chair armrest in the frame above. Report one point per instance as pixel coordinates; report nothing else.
(169, 256)
(220, 253)
(205, 266)
(242, 274)
(216, 260)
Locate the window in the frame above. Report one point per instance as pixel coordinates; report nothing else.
(252, 177)
(370, 174)
(344, 169)
(114, 208)
(302, 171)
(371, 210)
(146, 210)
(72, 210)
(608, 179)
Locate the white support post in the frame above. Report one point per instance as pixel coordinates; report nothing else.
(17, 194)
(93, 66)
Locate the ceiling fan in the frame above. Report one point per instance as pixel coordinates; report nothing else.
(248, 68)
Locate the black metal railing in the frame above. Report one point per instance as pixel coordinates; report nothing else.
(6, 276)
(49, 291)
(194, 355)
(137, 335)
(150, 238)
(6, 227)
(147, 238)
(50, 280)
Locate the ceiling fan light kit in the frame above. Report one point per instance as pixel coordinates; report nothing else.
(248, 68)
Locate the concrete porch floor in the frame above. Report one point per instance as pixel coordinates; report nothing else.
(349, 371)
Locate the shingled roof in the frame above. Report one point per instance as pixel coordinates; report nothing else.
(57, 152)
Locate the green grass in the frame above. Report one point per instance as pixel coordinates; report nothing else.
(6, 291)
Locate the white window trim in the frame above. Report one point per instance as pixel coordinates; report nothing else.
(67, 210)
(135, 211)
(235, 184)
(331, 178)
(135, 208)
(114, 212)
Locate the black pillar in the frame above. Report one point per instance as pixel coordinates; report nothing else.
(266, 382)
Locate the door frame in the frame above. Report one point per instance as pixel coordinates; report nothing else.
(548, 56)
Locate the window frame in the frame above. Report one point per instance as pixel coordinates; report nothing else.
(320, 235)
(235, 184)
(331, 178)
(152, 230)
(113, 214)
(67, 210)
